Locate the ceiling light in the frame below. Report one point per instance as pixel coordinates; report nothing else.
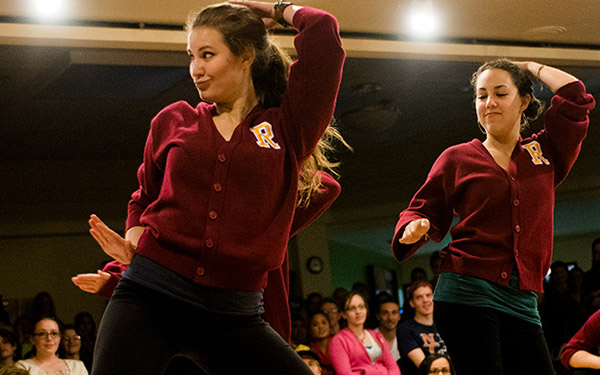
(48, 9)
(423, 21)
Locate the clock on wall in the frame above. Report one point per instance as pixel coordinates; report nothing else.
(314, 264)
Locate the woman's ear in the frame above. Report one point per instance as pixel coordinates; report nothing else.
(248, 56)
(525, 100)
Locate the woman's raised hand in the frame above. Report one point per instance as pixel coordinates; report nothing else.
(111, 242)
(414, 231)
(266, 11)
(91, 282)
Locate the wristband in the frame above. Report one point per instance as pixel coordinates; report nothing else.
(279, 9)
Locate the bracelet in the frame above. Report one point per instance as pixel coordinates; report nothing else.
(279, 9)
(538, 72)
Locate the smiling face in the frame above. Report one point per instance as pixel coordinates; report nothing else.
(71, 342)
(7, 350)
(319, 327)
(217, 73)
(498, 104)
(422, 301)
(46, 337)
(389, 316)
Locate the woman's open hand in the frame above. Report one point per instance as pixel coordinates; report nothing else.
(111, 242)
(91, 282)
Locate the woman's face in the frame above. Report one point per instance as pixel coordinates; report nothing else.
(7, 350)
(440, 366)
(71, 342)
(319, 327)
(356, 311)
(46, 337)
(217, 73)
(498, 103)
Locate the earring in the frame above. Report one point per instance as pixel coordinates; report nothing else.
(481, 128)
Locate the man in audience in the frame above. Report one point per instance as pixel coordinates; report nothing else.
(389, 317)
(418, 337)
(591, 280)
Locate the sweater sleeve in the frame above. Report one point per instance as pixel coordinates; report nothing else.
(587, 339)
(314, 79)
(565, 126)
(432, 202)
(339, 352)
(115, 269)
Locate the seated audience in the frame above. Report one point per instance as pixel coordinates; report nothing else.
(581, 352)
(418, 337)
(46, 340)
(320, 338)
(356, 350)
(70, 344)
(331, 308)
(435, 364)
(310, 358)
(9, 345)
(389, 317)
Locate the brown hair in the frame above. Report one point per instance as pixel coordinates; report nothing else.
(522, 79)
(242, 29)
(416, 285)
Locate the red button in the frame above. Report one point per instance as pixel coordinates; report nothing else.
(213, 215)
(516, 202)
(513, 178)
(504, 275)
(217, 187)
(209, 243)
(222, 158)
(517, 228)
(200, 271)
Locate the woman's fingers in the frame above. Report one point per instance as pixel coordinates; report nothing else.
(414, 231)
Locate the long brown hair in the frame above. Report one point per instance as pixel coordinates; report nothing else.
(242, 29)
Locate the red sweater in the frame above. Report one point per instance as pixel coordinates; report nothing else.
(587, 339)
(217, 212)
(505, 218)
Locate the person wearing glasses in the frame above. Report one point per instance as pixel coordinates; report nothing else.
(436, 364)
(46, 341)
(357, 350)
(70, 344)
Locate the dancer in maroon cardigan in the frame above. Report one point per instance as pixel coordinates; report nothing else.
(218, 189)
(502, 190)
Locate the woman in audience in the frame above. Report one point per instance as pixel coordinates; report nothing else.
(436, 363)
(320, 338)
(46, 340)
(356, 350)
(330, 307)
(71, 343)
(9, 345)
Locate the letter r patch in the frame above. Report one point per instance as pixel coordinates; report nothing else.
(535, 150)
(264, 135)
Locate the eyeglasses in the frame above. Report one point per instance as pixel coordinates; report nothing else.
(436, 371)
(330, 311)
(71, 338)
(44, 334)
(355, 308)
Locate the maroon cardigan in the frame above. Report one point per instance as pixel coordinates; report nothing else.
(505, 218)
(218, 212)
(587, 339)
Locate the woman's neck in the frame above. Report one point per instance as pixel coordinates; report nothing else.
(357, 330)
(44, 357)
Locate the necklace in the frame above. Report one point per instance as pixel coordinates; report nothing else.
(362, 338)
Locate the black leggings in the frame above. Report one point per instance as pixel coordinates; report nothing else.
(141, 330)
(482, 340)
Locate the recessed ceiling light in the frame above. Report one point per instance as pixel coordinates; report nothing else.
(423, 20)
(48, 9)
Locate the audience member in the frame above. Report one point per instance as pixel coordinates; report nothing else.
(320, 338)
(70, 344)
(356, 350)
(86, 329)
(43, 305)
(417, 274)
(340, 295)
(310, 358)
(331, 308)
(389, 316)
(591, 280)
(46, 339)
(13, 370)
(9, 348)
(436, 363)
(435, 264)
(299, 334)
(581, 352)
(23, 328)
(418, 337)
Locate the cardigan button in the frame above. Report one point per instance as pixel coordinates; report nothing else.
(513, 178)
(504, 275)
(213, 215)
(200, 271)
(517, 228)
(516, 202)
(209, 243)
(222, 158)
(217, 187)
